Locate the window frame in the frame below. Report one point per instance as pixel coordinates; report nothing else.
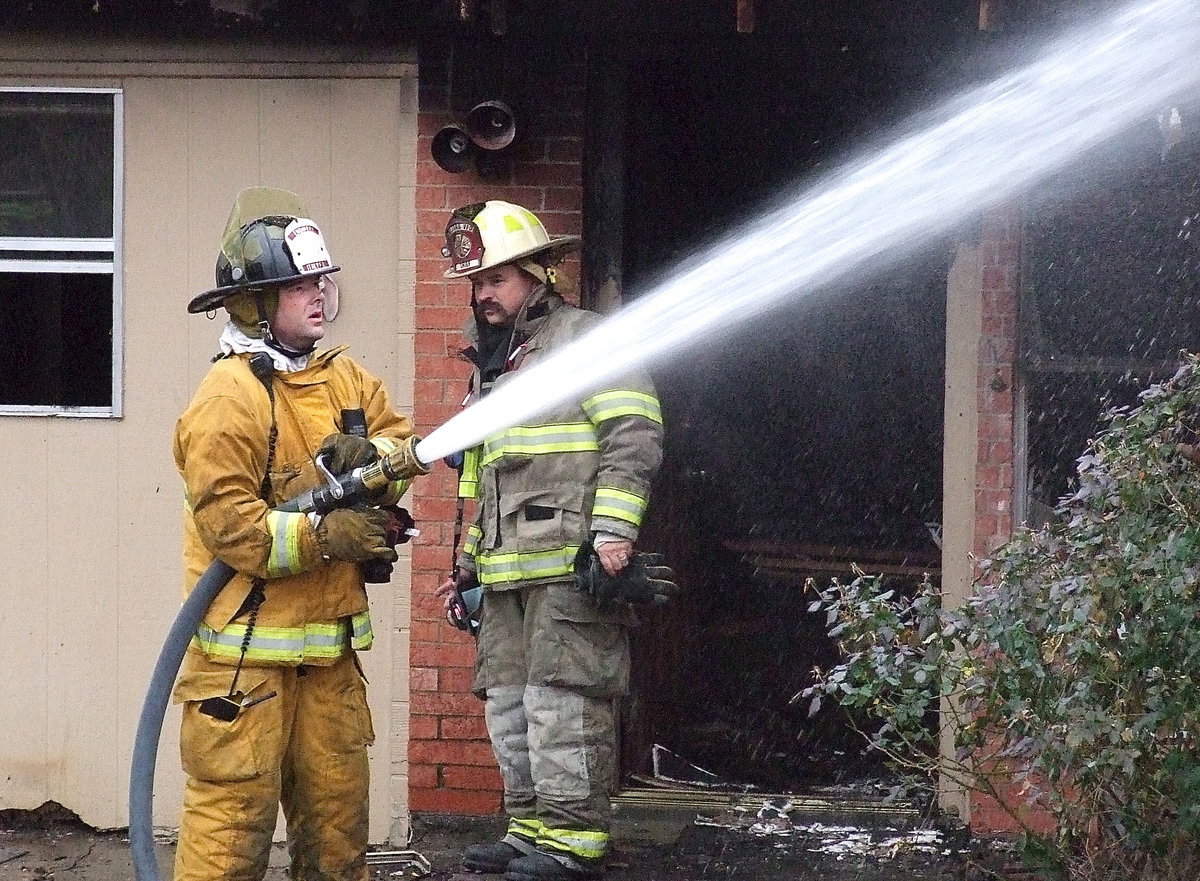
(112, 267)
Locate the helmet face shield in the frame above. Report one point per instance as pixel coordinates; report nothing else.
(329, 288)
(268, 242)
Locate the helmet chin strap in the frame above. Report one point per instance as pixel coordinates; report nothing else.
(289, 353)
(264, 323)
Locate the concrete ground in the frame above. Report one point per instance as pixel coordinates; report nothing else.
(651, 844)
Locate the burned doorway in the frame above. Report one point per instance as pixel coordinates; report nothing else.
(1110, 294)
(796, 445)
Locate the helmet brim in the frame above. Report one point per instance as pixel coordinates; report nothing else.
(211, 299)
(555, 249)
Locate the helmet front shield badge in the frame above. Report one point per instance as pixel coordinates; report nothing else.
(492, 233)
(268, 242)
(464, 241)
(306, 246)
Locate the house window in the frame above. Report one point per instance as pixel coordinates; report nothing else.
(60, 298)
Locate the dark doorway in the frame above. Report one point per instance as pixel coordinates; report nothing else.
(797, 445)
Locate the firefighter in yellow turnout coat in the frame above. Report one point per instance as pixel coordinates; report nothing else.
(550, 662)
(274, 706)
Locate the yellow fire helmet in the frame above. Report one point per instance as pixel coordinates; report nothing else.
(491, 233)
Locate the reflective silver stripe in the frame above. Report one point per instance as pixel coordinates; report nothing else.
(573, 437)
(284, 556)
(619, 504)
(576, 842)
(471, 545)
(325, 639)
(622, 402)
(501, 568)
(525, 828)
(468, 483)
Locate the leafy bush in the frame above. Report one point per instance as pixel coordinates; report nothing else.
(1074, 668)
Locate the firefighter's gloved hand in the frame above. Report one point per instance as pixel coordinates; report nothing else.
(345, 452)
(400, 528)
(356, 535)
(463, 605)
(647, 580)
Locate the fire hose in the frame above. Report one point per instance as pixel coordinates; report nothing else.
(358, 486)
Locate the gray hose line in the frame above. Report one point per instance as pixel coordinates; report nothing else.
(154, 708)
(145, 744)
(343, 491)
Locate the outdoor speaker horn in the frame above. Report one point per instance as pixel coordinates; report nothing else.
(491, 125)
(453, 149)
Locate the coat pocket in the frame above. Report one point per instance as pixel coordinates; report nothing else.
(219, 751)
(542, 520)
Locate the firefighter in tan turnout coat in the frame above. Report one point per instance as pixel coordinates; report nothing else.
(550, 662)
(274, 704)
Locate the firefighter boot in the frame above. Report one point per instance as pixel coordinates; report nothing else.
(493, 858)
(543, 866)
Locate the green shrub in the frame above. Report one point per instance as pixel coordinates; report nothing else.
(1073, 667)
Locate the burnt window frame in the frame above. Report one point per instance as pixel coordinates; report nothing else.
(61, 255)
(1038, 355)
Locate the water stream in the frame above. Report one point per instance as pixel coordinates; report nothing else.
(978, 149)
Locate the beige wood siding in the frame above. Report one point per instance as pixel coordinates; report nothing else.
(91, 529)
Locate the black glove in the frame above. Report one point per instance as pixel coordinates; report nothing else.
(399, 529)
(345, 452)
(465, 606)
(646, 580)
(355, 534)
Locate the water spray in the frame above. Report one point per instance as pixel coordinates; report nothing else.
(978, 149)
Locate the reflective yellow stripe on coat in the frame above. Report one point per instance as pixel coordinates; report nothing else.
(568, 437)
(471, 545)
(619, 504)
(323, 640)
(505, 567)
(468, 481)
(622, 402)
(285, 556)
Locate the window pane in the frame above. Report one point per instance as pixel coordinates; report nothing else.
(56, 164)
(60, 339)
(1111, 258)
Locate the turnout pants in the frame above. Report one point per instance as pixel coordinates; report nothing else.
(306, 748)
(549, 666)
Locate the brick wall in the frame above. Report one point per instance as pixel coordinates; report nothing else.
(999, 255)
(451, 767)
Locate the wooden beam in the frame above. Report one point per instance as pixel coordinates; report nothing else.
(745, 16)
(828, 553)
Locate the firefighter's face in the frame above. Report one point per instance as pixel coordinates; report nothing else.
(300, 319)
(500, 292)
